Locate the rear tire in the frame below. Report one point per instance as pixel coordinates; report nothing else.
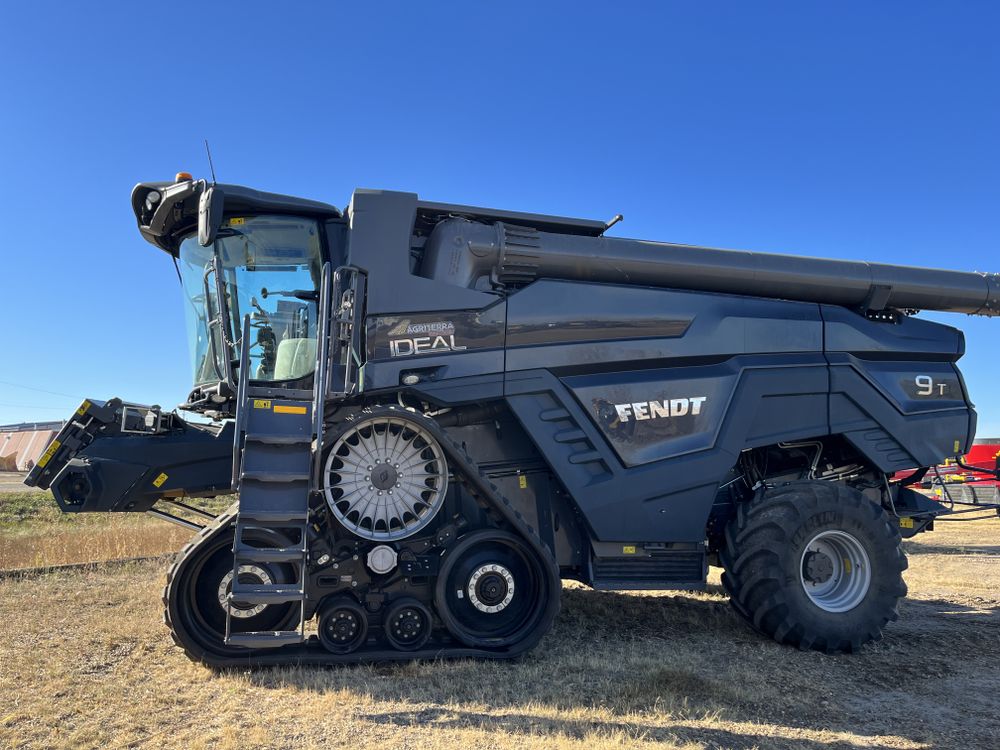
(815, 565)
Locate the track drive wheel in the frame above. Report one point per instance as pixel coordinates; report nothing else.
(493, 592)
(816, 565)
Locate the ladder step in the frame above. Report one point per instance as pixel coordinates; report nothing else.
(270, 517)
(265, 594)
(278, 439)
(246, 553)
(265, 638)
(275, 476)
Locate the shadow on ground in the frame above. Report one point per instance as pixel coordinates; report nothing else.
(676, 659)
(923, 548)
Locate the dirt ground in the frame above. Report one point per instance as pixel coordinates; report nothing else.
(85, 662)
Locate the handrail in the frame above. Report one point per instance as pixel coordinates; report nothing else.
(347, 318)
(320, 381)
(241, 399)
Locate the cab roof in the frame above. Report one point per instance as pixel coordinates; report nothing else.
(167, 211)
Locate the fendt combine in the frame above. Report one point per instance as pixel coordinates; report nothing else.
(433, 413)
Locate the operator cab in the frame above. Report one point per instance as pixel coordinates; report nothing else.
(264, 266)
(242, 252)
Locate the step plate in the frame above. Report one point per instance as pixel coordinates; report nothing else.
(663, 571)
(265, 639)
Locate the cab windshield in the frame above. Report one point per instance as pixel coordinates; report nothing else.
(267, 267)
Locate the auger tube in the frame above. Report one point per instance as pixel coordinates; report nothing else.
(513, 254)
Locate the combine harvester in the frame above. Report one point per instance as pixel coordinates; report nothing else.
(433, 413)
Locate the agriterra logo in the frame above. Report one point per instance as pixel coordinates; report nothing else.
(673, 407)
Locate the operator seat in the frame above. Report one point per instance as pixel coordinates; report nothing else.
(295, 359)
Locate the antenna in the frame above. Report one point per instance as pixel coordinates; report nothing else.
(211, 167)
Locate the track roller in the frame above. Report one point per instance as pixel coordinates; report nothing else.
(343, 625)
(407, 624)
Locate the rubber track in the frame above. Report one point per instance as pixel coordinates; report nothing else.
(312, 653)
(754, 579)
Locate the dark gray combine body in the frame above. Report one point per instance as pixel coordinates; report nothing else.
(579, 406)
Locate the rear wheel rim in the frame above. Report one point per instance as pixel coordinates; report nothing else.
(835, 571)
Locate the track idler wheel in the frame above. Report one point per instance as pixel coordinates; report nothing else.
(492, 590)
(407, 624)
(343, 626)
(197, 592)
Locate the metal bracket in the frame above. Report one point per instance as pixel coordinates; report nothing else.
(137, 419)
(877, 299)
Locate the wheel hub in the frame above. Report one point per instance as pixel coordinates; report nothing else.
(491, 588)
(407, 625)
(252, 574)
(818, 567)
(384, 476)
(343, 627)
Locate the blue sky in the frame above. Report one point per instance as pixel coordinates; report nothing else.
(854, 130)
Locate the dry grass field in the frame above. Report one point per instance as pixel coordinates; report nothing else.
(85, 662)
(34, 533)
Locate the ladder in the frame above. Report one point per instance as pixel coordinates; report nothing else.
(276, 457)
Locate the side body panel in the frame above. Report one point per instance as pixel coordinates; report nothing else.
(895, 391)
(641, 399)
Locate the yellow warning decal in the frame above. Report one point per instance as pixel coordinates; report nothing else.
(261, 404)
(289, 409)
(628, 549)
(522, 482)
(158, 482)
(958, 446)
(237, 221)
(83, 408)
(49, 453)
(847, 565)
(906, 523)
